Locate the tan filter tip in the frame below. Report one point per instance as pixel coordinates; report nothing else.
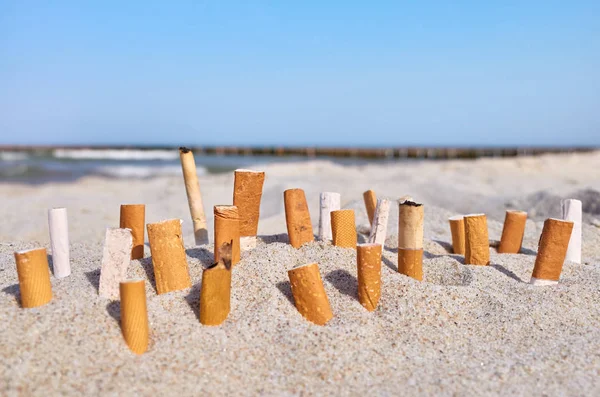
(133, 217)
(370, 203)
(552, 249)
(343, 228)
(410, 262)
(297, 218)
(34, 277)
(134, 315)
(309, 294)
(477, 243)
(247, 193)
(227, 230)
(368, 260)
(512, 232)
(457, 229)
(215, 295)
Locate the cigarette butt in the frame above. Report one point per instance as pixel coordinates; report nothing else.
(115, 260)
(571, 211)
(247, 193)
(329, 201)
(227, 229)
(552, 250)
(215, 294)
(309, 294)
(477, 243)
(410, 262)
(133, 217)
(59, 240)
(343, 228)
(380, 222)
(370, 203)
(134, 315)
(369, 275)
(34, 277)
(512, 232)
(457, 229)
(297, 217)
(192, 189)
(410, 225)
(168, 256)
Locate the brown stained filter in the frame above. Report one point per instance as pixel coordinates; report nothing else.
(410, 225)
(133, 217)
(34, 277)
(477, 243)
(457, 229)
(134, 315)
(215, 295)
(343, 228)
(552, 249)
(410, 262)
(512, 232)
(227, 230)
(247, 192)
(370, 203)
(168, 256)
(309, 294)
(297, 218)
(368, 260)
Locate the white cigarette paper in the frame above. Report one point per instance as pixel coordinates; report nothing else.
(380, 222)
(328, 202)
(571, 211)
(59, 240)
(115, 260)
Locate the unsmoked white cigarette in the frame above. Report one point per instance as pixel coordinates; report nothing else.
(227, 231)
(380, 222)
(343, 228)
(477, 243)
(134, 315)
(512, 232)
(34, 277)
(571, 211)
(552, 250)
(247, 193)
(59, 240)
(115, 261)
(133, 217)
(309, 294)
(192, 188)
(368, 261)
(410, 262)
(329, 201)
(457, 229)
(370, 203)
(215, 295)
(410, 225)
(297, 218)
(168, 256)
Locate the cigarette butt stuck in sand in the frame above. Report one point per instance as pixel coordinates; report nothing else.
(168, 256)
(227, 230)
(457, 229)
(116, 255)
(368, 260)
(512, 232)
(477, 243)
(133, 217)
(59, 241)
(370, 203)
(410, 225)
(297, 218)
(552, 251)
(247, 193)
(134, 315)
(571, 211)
(215, 295)
(380, 222)
(343, 228)
(410, 262)
(34, 277)
(309, 294)
(192, 189)
(329, 201)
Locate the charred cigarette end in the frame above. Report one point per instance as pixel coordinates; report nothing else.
(457, 229)
(343, 228)
(133, 217)
(227, 230)
(184, 149)
(309, 294)
(215, 295)
(34, 277)
(477, 244)
(512, 232)
(410, 203)
(370, 203)
(552, 249)
(369, 275)
(134, 315)
(410, 262)
(297, 218)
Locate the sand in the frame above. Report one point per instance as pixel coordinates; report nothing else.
(465, 330)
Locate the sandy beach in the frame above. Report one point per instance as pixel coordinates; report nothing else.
(464, 330)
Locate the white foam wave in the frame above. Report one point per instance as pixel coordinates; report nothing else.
(141, 172)
(114, 154)
(13, 156)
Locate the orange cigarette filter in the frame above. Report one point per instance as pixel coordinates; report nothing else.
(512, 232)
(370, 203)
(410, 262)
(134, 315)
(215, 295)
(227, 230)
(343, 228)
(477, 243)
(410, 224)
(297, 218)
(34, 277)
(457, 229)
(168, 256)
(133, 217)
(309, 294)
(247, 193)
(369, 275)
(552, 249)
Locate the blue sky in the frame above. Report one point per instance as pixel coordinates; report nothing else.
(300, 73)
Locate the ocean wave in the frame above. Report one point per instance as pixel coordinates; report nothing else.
(112, 154)
(13, 156)
(144, 172)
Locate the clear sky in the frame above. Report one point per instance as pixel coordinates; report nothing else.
(300, 72)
